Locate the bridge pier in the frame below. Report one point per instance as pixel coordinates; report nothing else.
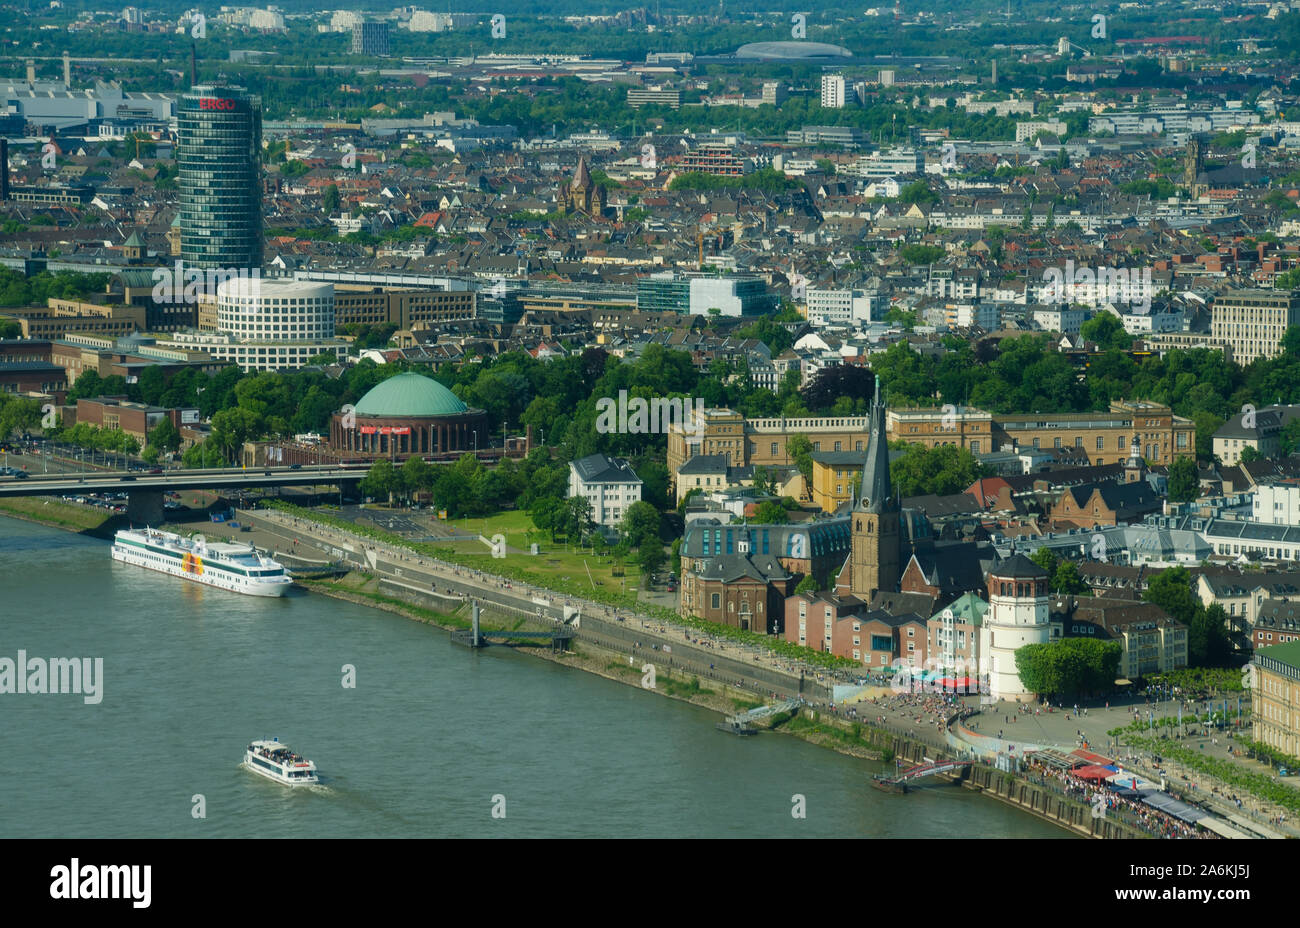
(145, 507)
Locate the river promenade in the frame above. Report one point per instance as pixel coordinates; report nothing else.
(920, 723)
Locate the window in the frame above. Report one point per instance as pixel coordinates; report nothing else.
(716, 600)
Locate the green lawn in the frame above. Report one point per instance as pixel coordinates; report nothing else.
(554, 560)
(56, 512)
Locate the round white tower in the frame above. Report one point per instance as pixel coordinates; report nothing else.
(1017, 616)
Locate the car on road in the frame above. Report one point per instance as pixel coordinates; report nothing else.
(128, 477)
(21, 475)
(155, 470)
(295, 467)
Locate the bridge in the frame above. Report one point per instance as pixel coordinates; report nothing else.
(476, 637)
(930, 768)
(740, 724)
(145, 491)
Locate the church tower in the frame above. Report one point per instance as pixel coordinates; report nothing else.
(874, 561)
(1135, 468)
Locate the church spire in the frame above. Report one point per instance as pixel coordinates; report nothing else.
(877, 494)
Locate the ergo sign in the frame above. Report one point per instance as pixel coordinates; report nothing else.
(211, 103)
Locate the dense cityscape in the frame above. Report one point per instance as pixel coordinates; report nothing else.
(922, 383)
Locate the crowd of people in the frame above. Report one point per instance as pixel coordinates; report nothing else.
(1132, 810)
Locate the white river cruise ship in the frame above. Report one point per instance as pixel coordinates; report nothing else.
(236, 567)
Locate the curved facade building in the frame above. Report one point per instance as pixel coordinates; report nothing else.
(271, 325)
(258, 309)
(409, 414)
(218, 153)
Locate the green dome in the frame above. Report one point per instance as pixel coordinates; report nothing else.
(409, 395)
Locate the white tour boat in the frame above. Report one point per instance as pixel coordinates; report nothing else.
(237, 567)
(275, 761)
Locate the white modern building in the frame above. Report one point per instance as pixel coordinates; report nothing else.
(609, 484)
(1157, 320)
(1059, 318)
(833, 91)
(271, 324)
(1277, 503)
(840, 307)
(892, 163)
(1017, 616)
(975, 314)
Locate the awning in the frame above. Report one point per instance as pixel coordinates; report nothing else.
(1171, 806)
(1091, 772)
(1223, 829)
(1053, 758)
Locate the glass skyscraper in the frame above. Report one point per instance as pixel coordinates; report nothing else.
(218, 152)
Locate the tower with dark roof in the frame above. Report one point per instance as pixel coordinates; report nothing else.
(876, 556)
(583, 194)
(1017, 616)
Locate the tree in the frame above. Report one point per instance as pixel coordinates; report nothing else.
(1289, 438)
(330, 200)
(1171, 590)
(1069, 666)
(1207, 637)
(641, 525)
(941, 470)
(164, 436)
(577, 517)
(547, 514)
(800, 450)
(770, 513)
(1106, 330)
(807, 586)
(839, 381)
(1250, 453)
(382, 480)
(1067, 580)
(1047, 559)
(1184, 481)
(651, 558)
(417, 476)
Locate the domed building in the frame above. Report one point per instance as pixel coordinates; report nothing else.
(408, 414)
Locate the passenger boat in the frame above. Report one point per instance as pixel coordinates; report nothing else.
(239, 568)
(275, 761)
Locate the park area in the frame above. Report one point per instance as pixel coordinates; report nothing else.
(580, 570)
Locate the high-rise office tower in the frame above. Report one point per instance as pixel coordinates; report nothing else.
(218, 152)
(370, 39)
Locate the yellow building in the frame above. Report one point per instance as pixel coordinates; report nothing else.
(962, 426)
(1275, 697)
(1107, 437)
(835, 476)
(70, 317)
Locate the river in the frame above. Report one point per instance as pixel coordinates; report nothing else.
(431, 742)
